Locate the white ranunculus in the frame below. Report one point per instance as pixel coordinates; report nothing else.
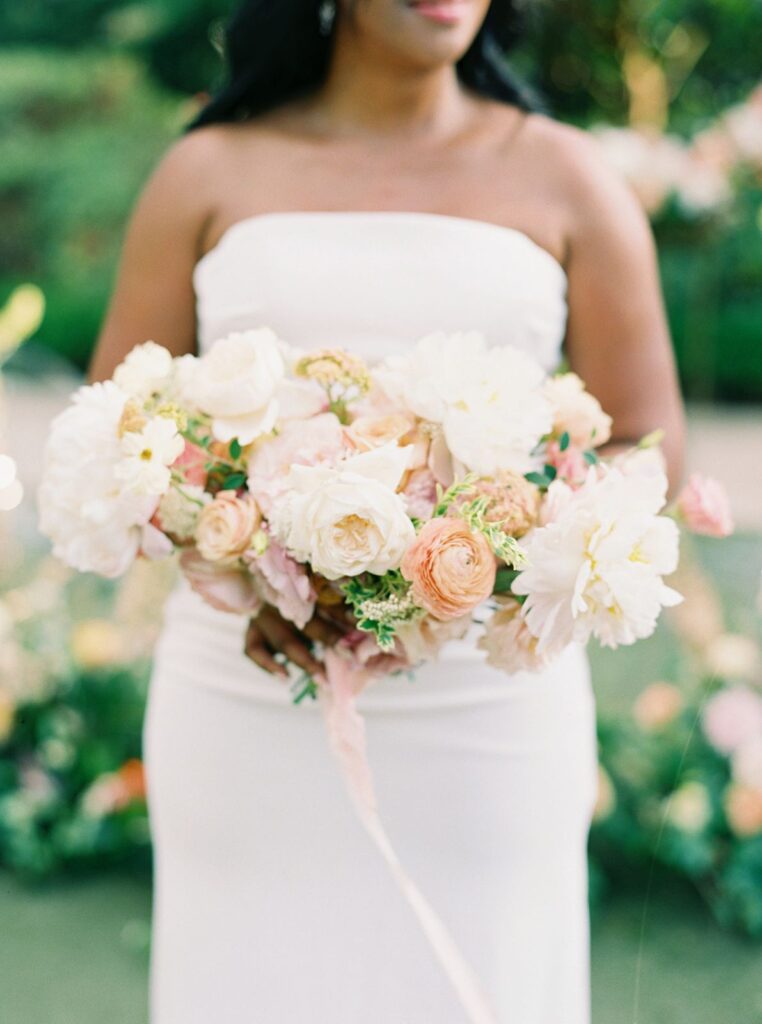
(11, 491)
(596, 569)
(576, 411)
(236, 383)
(94, 522)
(148, 454)
(489, 401)
(147, 370)
(349, 519)
(746, 763)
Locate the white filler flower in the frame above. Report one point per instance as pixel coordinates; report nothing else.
(489, 401)
(596, 569)
(349, 519)
(94, 521)
(236, 383)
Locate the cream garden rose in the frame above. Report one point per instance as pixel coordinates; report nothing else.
(347, 519)
(226, 525)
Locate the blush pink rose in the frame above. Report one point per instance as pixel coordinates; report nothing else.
(283, 582)
(191, 462)
(704, 507)
(451, 568)
(226, 525)
(420, 490)
(224, 587)
(570, 465)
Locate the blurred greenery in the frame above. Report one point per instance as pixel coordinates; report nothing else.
(93, 91)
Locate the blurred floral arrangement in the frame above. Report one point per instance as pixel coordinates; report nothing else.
(681, 778)
(699, 175)
(19, 319)
(72, 693)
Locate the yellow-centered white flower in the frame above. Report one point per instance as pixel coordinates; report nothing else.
(596, 568)
(347, 519)
(147, 456)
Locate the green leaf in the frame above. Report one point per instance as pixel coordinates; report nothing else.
(235, 448)
(504, 580)
(537, 478)
(234, 481)
(550, 472)
(563, 443)
(590, 457)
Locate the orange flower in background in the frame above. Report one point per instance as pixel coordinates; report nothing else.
(451, 568)
(133, 780)
(743, 809)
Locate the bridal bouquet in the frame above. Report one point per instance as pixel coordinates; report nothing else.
(448, 483)
(417, 492)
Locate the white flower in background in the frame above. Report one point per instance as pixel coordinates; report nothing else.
(236, 383)
(732, 656)
(576, 411)
(349, 519)
(180, 508)
(596, 568)
(489, 401)
(11, 491)
(94, 521)
(148, 454)
(746, 763)
(731, 717)
(689, 808)
(146, 371)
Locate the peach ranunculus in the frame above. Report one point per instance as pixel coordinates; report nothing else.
(657, 706)
(703, 507)
(743, 809)
(451, 568)
(512, 501)
(226, 525)
(507, 640)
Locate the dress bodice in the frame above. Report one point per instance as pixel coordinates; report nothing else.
(371, 281)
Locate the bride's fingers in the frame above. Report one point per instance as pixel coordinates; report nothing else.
(256, 648)
(322, 631)
(282, 636)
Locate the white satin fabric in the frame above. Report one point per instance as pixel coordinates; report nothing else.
(271, 905)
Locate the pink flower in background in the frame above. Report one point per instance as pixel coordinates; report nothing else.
(704, 508)
(570, 465)
(192, 463)
(452, 569)
(657, 706)
(224, 587)
(731, 717)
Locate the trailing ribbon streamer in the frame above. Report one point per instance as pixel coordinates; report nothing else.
(346, 732)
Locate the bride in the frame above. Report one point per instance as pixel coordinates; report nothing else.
(370, 174)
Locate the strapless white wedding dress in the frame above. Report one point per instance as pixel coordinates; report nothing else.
(271, 904)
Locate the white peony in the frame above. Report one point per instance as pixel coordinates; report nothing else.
(148, 454)
(596, 569)
(11, 490)
(146, 371)
(489, 401)
(348, 519)
(236, 383)
(94, 521)
(576, 411)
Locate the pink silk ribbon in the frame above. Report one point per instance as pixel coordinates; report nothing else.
(346, 733)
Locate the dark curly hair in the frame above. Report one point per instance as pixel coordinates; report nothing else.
(275, 52)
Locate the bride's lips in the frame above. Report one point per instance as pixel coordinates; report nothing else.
(447, 12)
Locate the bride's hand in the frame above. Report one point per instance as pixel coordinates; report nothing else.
(269, 634)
